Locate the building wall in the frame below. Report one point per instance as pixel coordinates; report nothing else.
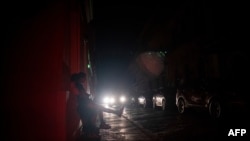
(193, 37)
(41, 51)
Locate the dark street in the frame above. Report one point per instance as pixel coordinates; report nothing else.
(182, 65)
(138, 124)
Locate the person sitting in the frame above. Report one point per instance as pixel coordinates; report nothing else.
(89, 110)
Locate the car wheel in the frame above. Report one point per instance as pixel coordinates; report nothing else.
(215, 109)
(163, 105)
(181, 106)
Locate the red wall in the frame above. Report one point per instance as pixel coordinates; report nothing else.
(36, 73)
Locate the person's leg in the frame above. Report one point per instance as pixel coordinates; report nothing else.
(107, 110)
(90, 127)
(101, 116)
(103, 124)
(100, 109)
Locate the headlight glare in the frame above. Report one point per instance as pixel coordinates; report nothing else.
(122, 99)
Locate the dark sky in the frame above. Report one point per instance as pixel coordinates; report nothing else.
(118, 25)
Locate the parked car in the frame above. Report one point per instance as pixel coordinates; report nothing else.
(159, 100)
(216, 97)
(145, 100)
(131, 100)
(164, 98)
(142, 101)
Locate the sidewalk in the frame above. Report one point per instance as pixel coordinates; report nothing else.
(123, 130)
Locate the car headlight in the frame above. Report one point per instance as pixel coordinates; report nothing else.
(106, 100)
(109, 100)
(141, 99)
(122, 99)
(112, 100)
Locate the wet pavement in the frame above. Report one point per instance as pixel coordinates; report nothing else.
(126, 128)
(123, 129)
